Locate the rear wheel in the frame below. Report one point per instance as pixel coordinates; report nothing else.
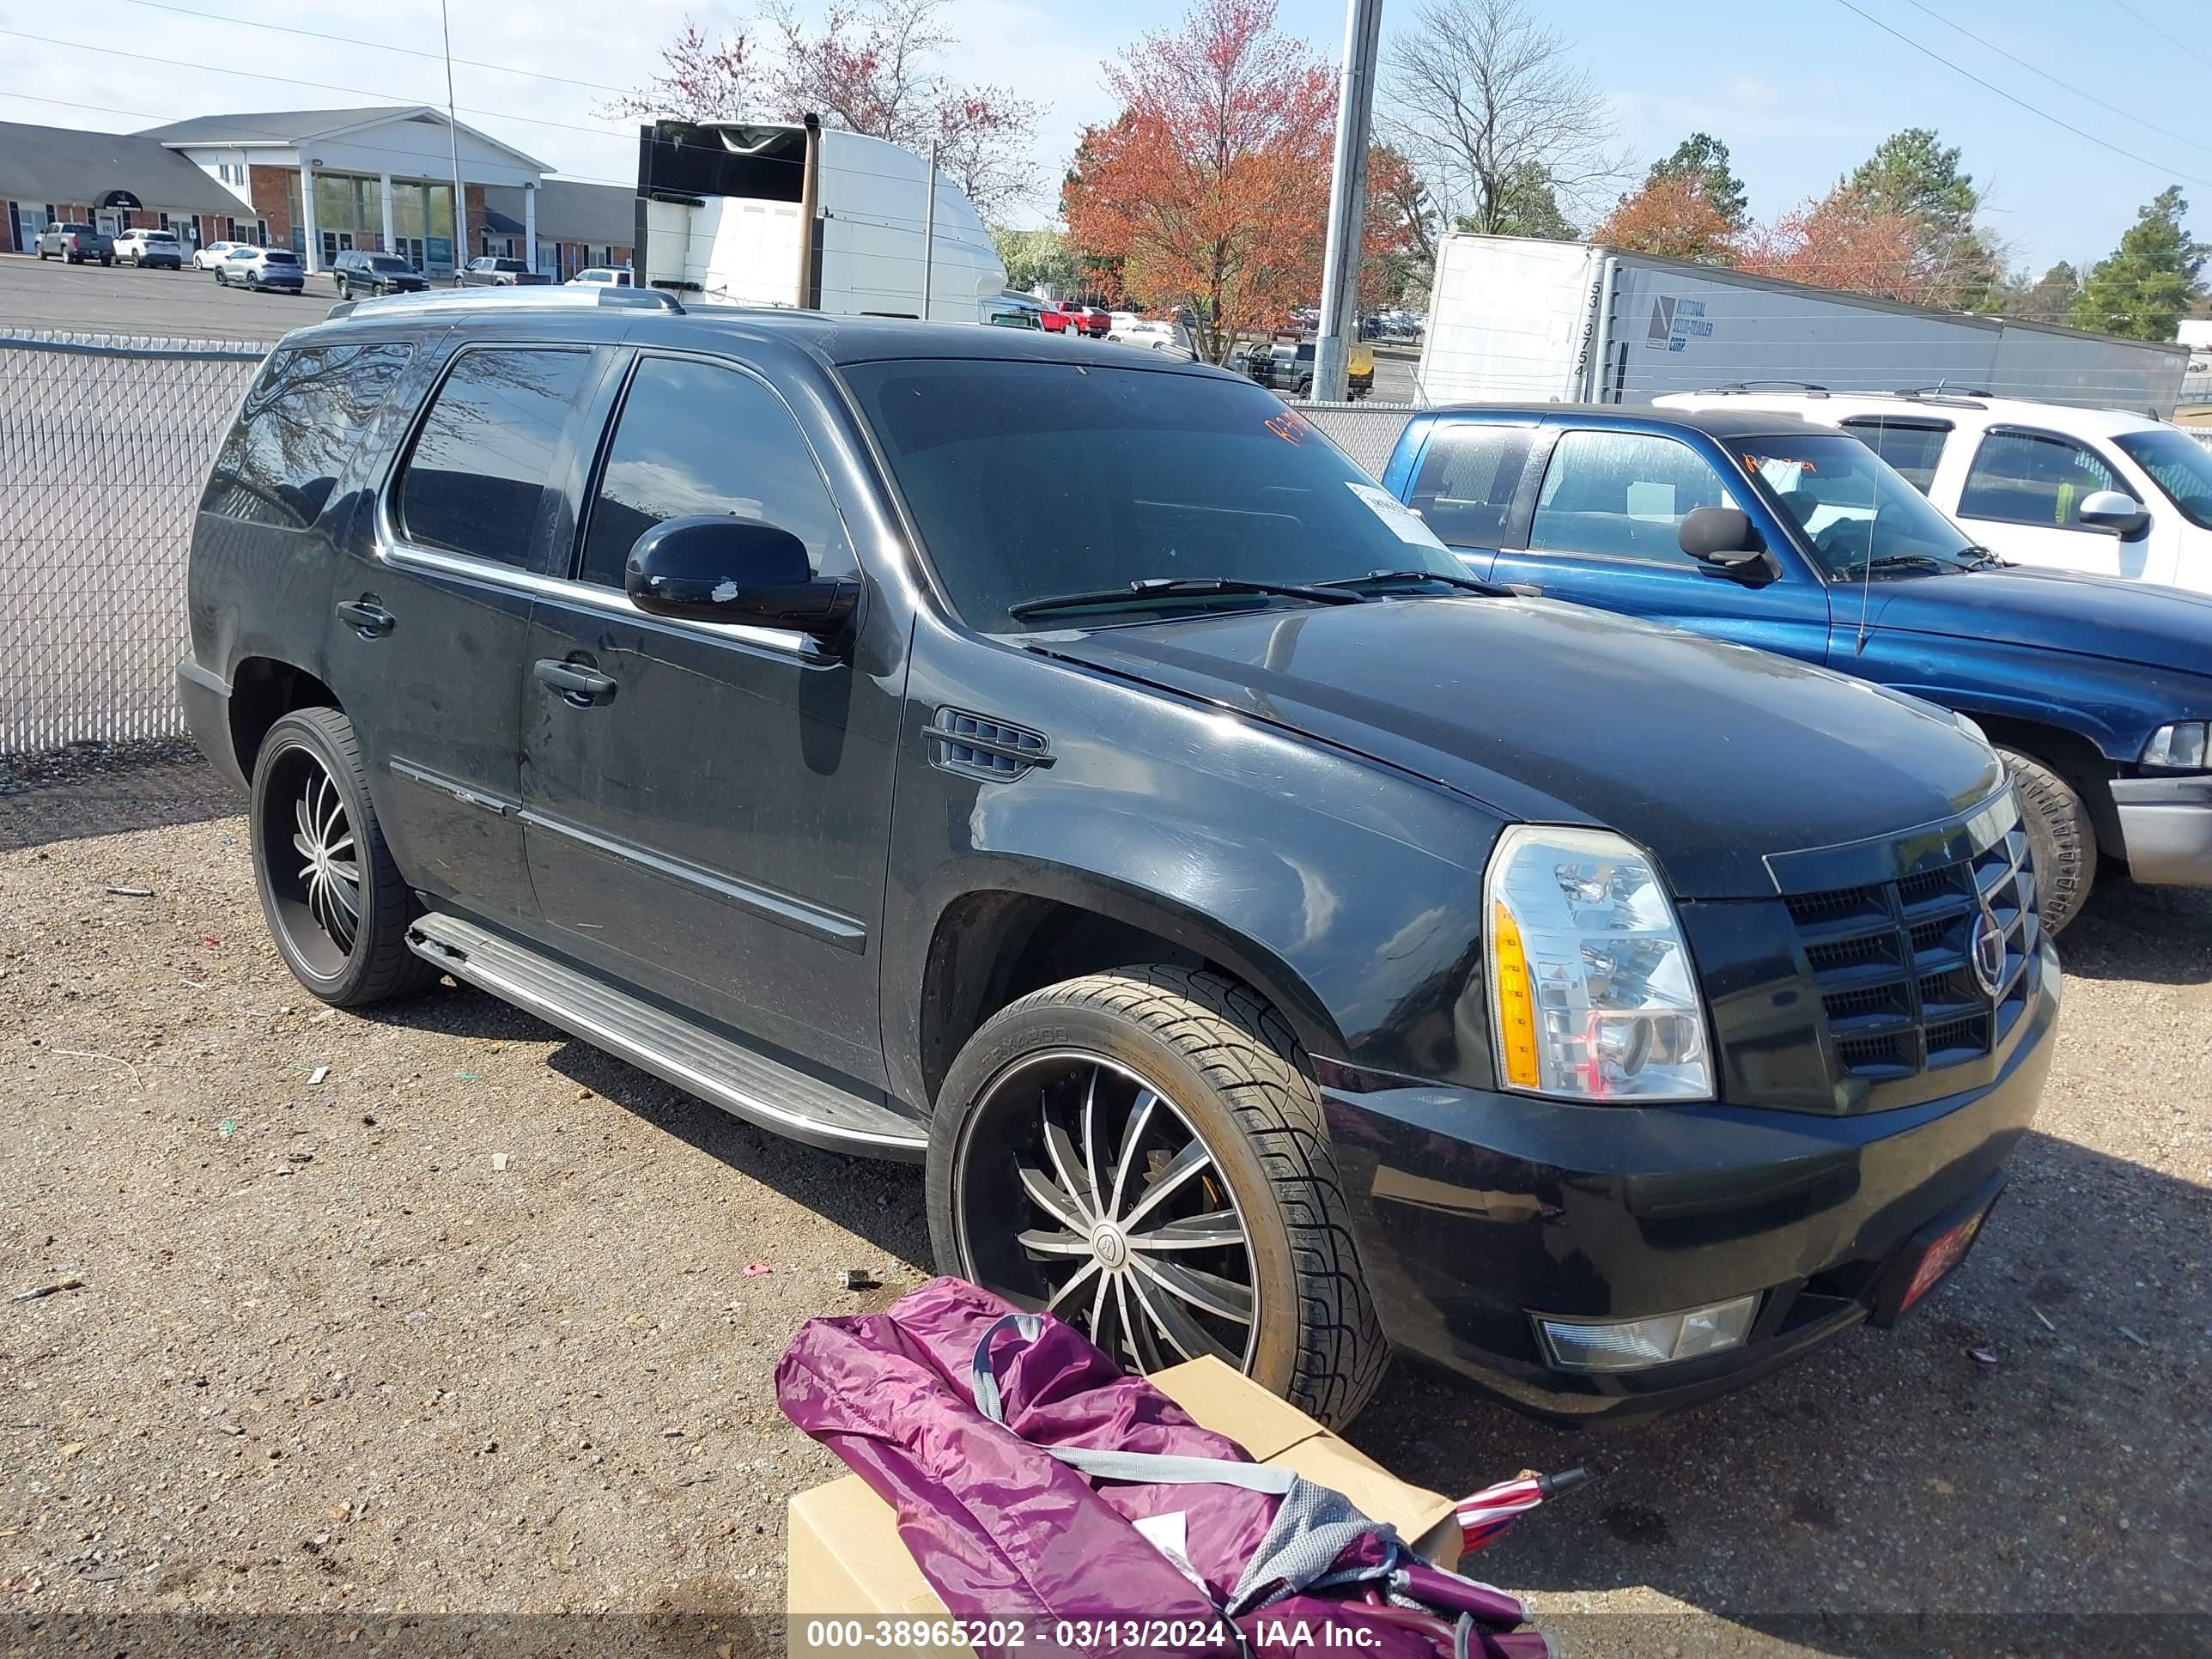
(2060, 834)
(1142, 1152)
(336, 904)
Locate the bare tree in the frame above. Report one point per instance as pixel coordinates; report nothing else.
(1487, 100)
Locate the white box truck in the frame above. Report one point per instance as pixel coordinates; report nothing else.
(808, 216)
(1515, 319)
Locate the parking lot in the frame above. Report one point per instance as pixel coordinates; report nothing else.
(187, 305)
(432, 1307)
(123, 300)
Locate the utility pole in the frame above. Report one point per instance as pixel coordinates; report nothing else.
(929, 230)
(1348, 201)
(453, 135)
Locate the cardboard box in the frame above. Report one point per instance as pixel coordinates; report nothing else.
(844, 1558)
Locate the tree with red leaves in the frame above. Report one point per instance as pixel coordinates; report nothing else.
(1844, 241)
(1211, 187)
(1672, 217)
(871, 68)
(699, 79)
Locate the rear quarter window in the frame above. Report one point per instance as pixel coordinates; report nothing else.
(303, 420)
(483, 462)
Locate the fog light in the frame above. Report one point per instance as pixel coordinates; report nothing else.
(1629, 1345)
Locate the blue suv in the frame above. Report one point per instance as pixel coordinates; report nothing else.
(1770, 531)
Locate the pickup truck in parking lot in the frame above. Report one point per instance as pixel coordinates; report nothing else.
(490, 272)
(1759, 528)
(74, 244)
(1275, 943)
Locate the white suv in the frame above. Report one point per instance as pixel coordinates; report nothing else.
(2096, 490)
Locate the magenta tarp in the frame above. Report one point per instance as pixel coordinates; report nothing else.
(1002, 1530)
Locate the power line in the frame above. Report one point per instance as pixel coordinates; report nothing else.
(1929, 51)
(628, 186)
(2179, 46)
(606, 130)
(378, 46)
(2063, 86)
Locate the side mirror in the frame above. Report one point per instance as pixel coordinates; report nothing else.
(1724, 537)
(713, 568)
(2114, 510)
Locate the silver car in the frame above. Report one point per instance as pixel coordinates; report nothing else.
(263, 268)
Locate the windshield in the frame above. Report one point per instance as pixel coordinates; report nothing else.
(1857, 513)
(2178, 464)
(275, 257)
(158, 235)
(1181, 475)
(392, 262)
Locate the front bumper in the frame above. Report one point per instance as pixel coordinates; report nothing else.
(1472, 1210)
(2166, 828)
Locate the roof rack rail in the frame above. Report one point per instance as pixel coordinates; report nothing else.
(1811, 389)
(536, 297)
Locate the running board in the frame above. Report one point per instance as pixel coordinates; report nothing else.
(776, 1096)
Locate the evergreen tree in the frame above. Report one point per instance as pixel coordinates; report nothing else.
(1914, 175)
(2150, 281)
(2045, 299)
(1703, 160)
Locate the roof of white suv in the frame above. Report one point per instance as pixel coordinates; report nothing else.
(1962, 405)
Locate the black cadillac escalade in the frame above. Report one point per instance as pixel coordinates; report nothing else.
(1275, 944)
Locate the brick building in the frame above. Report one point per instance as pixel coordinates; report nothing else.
(379, 177)
(115, 180)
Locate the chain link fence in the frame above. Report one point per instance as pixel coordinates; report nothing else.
(1367, 432)
(105, 443)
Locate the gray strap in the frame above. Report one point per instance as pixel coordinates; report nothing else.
(983, 1383)
(1170, 1471)
(1116, 1464)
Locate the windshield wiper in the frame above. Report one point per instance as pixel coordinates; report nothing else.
(1170, 586)
(1465, 584)
(1893, 562)
(1980, 558)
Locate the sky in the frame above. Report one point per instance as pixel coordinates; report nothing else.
(1800, 90)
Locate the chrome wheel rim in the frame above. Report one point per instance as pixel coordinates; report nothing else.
(312, 863)
(1086, 1193)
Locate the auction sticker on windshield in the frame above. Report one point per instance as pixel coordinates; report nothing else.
(1404, 522)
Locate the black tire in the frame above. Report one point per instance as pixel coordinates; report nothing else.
(343, 292)
(2060, 834)
(310, 791)
(108, 260)
(1232, 1076)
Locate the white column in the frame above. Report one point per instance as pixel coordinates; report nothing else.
(389, 237)
(308, 214)
(530, 226)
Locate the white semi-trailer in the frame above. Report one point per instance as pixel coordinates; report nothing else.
(1512, 318)
(808, 216)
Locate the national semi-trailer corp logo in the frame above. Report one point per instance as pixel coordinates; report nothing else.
(1674, 322)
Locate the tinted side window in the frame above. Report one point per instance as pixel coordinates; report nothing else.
(1622, 494)
(2028, 479)
(694, 438)
(483, 460)
(1469, 475)
(1912, 450)
(305, 417)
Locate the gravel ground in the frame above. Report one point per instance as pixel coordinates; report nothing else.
(462, 1325)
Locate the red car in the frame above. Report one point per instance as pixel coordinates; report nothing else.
(1073, 317)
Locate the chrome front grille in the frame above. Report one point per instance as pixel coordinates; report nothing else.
(1893, 961)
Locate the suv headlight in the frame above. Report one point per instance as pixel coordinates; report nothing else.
(2180, 747)
(1592, 991)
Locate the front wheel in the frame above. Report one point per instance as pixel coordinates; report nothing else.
(335, 903)
(2060, 834)
(1142, 1153)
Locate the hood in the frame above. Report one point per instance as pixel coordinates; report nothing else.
(2049, 610)
(1710, 756)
